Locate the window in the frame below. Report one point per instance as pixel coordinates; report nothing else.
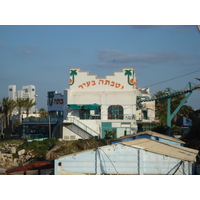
(33, 89)
(145, 116)
(115, 112)
(84, 114)
(90, 113)
(10, 89)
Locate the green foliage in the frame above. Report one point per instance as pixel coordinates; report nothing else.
(28, 104)
(110, 134)
(43, 113)
(7, 106)
(15, 155)
(176, 130)
(12, 141)
(68, 147)
(161, 108)
(39, 148)
(161, 129)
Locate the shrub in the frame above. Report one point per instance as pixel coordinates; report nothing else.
(40, 148)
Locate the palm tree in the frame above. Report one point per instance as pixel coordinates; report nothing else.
(20, 102)
(43, 112)
(7, 107)
(2, 117)
(12, 106)
(28, 104)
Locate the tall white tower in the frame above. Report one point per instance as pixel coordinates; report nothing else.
(26, 92)
(12, 92)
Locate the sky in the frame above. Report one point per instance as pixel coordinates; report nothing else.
(41, 55)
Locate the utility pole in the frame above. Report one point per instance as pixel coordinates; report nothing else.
(49, 126)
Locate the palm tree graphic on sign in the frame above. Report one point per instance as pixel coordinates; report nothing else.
(72, 74)
(129, 74)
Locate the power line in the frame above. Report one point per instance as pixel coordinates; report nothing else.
(173, 78)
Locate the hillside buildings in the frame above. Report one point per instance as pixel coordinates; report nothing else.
(95, 107)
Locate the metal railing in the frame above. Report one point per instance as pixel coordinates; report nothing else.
(83, 134)
(82, 126)
(40, 120)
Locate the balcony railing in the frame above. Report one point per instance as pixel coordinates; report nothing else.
(40, 120)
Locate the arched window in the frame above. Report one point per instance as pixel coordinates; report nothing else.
(115, 112)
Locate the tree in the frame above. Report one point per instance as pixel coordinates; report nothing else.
(12, 106)
(186, 111)
(7, 106)
(28, 104)
(175, 101)
(20, 102)
(161, 108)
(43, 112)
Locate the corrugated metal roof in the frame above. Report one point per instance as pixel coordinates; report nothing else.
(153, 134)
(161, 136)
(171, 150)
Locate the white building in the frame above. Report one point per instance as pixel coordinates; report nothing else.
(26, 92)
(55, 104)
(94, 107)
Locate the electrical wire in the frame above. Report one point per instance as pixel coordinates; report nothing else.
(109, 160)
(178, 167)
(172, 79)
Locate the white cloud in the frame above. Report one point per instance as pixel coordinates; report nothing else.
(191, 63)
(28, 50)
(108, 56)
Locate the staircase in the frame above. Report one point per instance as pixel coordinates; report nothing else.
(80, 129)
(56, 131)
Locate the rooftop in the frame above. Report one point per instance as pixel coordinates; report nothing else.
(152, 133)
(183, 153)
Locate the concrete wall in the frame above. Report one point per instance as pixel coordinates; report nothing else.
(69, 135)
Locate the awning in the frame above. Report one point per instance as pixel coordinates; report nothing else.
(84, 106)
(91, 106)
(75, 106)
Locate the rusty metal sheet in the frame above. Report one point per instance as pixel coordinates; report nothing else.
(33, 166)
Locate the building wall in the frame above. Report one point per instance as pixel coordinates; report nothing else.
(118, 89)
(69, 135)
(55, 104)
(12, 92)
(121, 159)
